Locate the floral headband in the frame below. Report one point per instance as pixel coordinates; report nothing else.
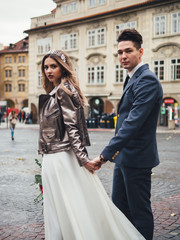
(59, 54)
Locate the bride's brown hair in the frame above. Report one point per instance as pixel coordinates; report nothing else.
(68, 73)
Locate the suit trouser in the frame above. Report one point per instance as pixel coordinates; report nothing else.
(131, 194)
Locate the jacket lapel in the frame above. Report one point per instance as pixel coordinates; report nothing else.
(133, 79)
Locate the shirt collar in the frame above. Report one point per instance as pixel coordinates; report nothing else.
(53, 91)
(131, 73)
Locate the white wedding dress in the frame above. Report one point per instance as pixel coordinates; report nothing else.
(76, 206)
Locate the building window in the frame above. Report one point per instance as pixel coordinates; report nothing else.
(96, 37)
(39, 78)
(8, 73)
(22, 72)
(94, 3)
(69, 8)
(44, 45)
(21, 59)
(8, 87)
(175, 23)
(65, 9)
(122, 26)
(8, 60)
(21, 87)
(69, 41)
(120, 73)
(14, 59)
(73, 7)
(159, 69)
(96, 75)
(101, 2)
(175, 69)
(159, 25)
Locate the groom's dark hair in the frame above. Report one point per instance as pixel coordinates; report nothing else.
(131, 35)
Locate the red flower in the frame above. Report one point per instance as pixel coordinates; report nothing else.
(41, 188)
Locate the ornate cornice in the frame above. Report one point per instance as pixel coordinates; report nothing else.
(95, 55)
(169, 44)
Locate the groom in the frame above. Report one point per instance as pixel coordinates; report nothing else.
(133, 149)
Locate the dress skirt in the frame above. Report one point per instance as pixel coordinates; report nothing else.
(76, 206)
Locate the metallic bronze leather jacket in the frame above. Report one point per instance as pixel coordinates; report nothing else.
(62, 123)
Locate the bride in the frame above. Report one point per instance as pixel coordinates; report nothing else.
(76, 206)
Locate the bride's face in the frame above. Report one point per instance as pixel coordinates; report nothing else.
(52, 70)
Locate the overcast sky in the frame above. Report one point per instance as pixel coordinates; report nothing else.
(15, 17)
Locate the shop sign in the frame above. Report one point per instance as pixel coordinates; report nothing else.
(169, 100)
(3, 103)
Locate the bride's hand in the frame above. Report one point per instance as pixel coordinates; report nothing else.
(92, 166)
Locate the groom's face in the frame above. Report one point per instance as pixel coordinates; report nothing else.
(128, 55)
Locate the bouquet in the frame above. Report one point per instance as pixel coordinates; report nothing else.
(38, 180)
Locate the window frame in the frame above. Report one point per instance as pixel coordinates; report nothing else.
(158, 66)
(21, 87)
(8, 73)
(160, 27)
(69, 8)
(119, 70)
(95, 3)
(39, 78)
(71, 40)
(175, 70)
(44, 45)
(177, 22)
(93, 37)
(7, 87)
(95, 73)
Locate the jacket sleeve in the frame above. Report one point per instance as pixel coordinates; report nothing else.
(146, 94)
(70, 116)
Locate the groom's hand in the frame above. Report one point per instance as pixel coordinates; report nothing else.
(97, 161)
(92, 166)
(100, 160)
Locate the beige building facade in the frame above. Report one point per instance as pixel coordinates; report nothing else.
(87, 31)
(14, 81)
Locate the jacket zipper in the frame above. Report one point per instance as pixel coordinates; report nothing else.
(52, 114)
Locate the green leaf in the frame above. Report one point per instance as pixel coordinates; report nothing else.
(38, 179)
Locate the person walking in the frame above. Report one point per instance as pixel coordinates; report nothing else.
(0, 116)
(19, 115)
(133, 149)
(30, 117)
(76, 206)
(12, 121)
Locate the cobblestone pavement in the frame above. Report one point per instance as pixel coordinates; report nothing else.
(20, 218)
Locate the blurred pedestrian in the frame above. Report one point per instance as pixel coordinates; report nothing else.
(23, 116)
(0, 116)
(19, 115)
(12, 121)
(30, 117)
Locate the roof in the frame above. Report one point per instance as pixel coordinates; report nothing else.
(20, 46)
(101, 14)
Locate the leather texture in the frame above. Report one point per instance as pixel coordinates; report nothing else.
(62, 123)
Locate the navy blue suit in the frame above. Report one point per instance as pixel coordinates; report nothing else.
(133, 149)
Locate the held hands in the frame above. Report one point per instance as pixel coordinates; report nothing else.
(94, 164)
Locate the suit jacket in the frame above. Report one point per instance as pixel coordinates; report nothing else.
(134, 144)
